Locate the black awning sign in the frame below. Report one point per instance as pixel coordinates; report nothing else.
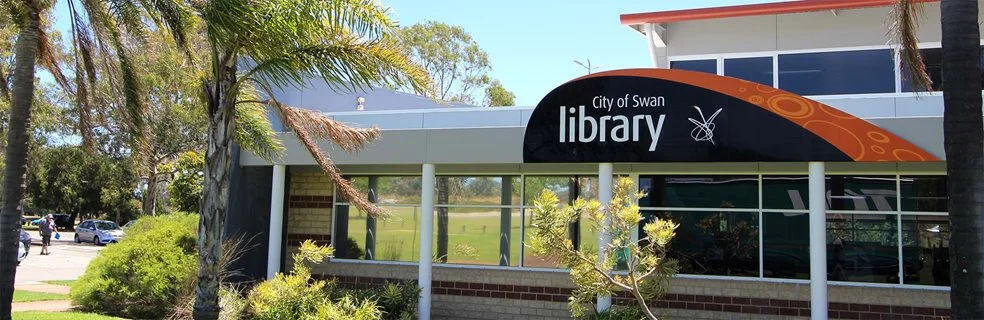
(659, 115)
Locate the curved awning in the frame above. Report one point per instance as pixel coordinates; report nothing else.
(664, 115)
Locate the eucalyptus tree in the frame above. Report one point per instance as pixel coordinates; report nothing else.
(963, 137)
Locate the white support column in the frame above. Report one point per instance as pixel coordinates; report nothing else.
(654, 41)
(426, 240)
(605, 182)
(818, 242)
(276, 220)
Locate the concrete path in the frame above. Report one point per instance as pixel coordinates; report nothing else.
(42, 287)
(51, 305)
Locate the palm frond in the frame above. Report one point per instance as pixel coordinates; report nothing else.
(49, 60)
(297, 124)
(904, 25)
(346, 63)
(128, 15)
(254, 132)
(172, 16)
(348, 138)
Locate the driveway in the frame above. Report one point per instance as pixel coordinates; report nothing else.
(67, 260)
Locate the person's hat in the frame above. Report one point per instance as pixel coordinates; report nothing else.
(50, 216)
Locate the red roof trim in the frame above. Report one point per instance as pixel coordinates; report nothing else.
(752, 10)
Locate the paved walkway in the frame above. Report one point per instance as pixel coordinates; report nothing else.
(50, 305)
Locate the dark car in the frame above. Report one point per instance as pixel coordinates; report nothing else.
(63, 221)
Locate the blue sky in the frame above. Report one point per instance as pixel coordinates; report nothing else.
(532, 44)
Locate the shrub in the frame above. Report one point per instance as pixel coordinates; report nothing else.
(618, 313)
(142, 275)
(296, 296)
(396, 300)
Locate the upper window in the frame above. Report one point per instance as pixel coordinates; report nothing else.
(933, 60)
(846, 72)
(709, 66)
(757, 69)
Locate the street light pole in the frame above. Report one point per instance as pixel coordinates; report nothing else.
(586, 65)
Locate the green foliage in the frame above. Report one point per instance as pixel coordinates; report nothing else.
(396, 300)
(297, 296)
(66, 179)
(189, 181)
(352, 250)
(497, 96)
(617, 313)
(647, 269)
(455, 61)
(142, 275)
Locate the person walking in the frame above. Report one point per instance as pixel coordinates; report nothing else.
(46, 227)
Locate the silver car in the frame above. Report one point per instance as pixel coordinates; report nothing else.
(98, 232)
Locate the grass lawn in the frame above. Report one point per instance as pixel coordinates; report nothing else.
(473, 235)
(27, 296)
(67, 283)
(44, 315)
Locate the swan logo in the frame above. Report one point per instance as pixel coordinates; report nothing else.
(704, 130)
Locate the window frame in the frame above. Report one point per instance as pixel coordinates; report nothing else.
(720, 57)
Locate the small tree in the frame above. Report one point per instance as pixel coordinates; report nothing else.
(644, 269)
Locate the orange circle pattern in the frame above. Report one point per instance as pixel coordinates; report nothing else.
(851, 135)
(791, 106)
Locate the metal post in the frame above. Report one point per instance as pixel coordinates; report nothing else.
(426, 240)
(818, 242)
(276, 220)
(605, 197)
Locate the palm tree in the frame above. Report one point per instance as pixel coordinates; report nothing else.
(99, 31)
(348, 44)
(963, 139)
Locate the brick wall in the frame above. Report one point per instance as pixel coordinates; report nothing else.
(470, 293)
(309, 208)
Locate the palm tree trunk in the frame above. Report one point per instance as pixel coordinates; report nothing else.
(963, 141)
(218, 161)
(26, 51)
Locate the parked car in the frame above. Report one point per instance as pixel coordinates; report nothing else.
(23, 246)
(62, 221)
(98, 232)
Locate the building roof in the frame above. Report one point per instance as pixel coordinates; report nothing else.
(787, 7)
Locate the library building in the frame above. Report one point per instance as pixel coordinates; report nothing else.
(806, 175)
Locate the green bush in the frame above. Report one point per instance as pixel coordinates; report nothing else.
(297, 296)
(396, 300)
(143, 275)
(618, 313)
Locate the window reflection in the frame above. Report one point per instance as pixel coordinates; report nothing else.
(924, 193)
(926, 250)
(786, 245)
(708, 66)
(699, 191)
(867, 193)
(785, 192)
(843, 72)
(714, 243)
(757, 69)
(862, 248)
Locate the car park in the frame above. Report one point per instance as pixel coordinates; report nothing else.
(99, 232)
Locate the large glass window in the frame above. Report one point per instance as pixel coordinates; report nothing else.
(863, 247)
(714, 236)
(924, 193)
(786, 245)
(844, 72)
(862, 193)
(757, 69)
(926, 249)
(476, 220)
(785, 192)
(932, 59)
(567, 189)
(393, 238)
(708, 66)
